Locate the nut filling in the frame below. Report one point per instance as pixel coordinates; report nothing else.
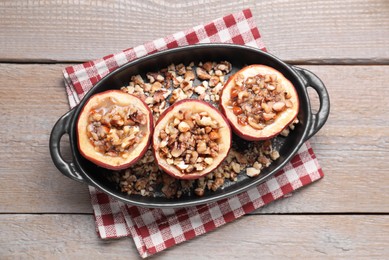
(203, 81)
(115, 130)
(190, 141)
(258, 100)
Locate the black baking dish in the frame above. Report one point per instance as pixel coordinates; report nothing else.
(84, 171)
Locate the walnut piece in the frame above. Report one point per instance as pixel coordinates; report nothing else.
(193, 152)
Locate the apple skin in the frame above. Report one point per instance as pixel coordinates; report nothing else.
(196, 106)
(247, 132)
(87, 149)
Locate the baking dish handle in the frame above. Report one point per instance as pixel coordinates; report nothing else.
(60, 128)
(321, 116)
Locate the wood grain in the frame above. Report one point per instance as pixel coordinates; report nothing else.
(352, 31)
(45, 215)
(251, 237)
(32, 99)
(352, 147)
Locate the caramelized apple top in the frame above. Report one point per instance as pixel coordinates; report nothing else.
(259, 102)
(189, 141)
(191, 138)
(114, 129)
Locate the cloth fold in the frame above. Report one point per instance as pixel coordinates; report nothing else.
(154, 230)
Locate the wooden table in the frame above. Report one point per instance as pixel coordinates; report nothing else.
(346, 43)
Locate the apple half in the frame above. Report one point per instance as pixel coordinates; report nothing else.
(259, 102)
(191, 138)
(114, 129)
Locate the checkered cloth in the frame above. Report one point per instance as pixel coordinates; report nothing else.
(154, 230)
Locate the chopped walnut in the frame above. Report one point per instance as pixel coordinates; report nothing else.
(115, 130)
(196, 145)
(202, 74)
(252, 172)
(258, 100)
(192, 152)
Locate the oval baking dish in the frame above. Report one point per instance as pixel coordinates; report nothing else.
(82, 170)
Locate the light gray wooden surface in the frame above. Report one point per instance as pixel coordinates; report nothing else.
(251, 237)
(345, 215)
(301, 31)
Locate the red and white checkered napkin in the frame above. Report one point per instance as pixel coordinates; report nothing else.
(154, 230)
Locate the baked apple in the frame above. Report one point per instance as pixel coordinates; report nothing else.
(191, 138)
(259, 102)
(114, 129)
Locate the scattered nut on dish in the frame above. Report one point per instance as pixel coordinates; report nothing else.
(164, 88)
(191, 138)
(259, 102)
(114, 129)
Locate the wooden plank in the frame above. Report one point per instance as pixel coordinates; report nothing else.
(352, 147)
(32, 98)
(298, 31)
(251, 237)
